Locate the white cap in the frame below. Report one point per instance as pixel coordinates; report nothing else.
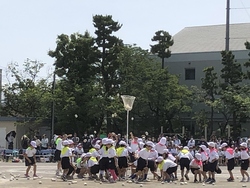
(163, 141)
(243, 144)
(139, 140)
(109, 141)
(223, 145)
(65, 143)
(97, 146)
(122, 143)
(185, 147)
(33, 144)
(159, 159)
(88, 154)
(70, 142)
(104, 141)
(203, 147)
(198, 156)
(149, 143)
(83, 155)
(165, 151)
(211, 144)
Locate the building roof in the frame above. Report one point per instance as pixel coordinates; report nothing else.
(210, 38)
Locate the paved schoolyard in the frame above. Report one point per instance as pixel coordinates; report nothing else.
(47, 171)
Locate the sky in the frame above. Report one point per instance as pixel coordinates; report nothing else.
(29, 28)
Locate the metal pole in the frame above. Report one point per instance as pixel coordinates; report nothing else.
(127, 124)
(206, 133)
(53, 107)
(227, 25)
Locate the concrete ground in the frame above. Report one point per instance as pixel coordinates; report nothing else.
(46, 171)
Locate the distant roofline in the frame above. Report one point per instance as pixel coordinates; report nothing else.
(216, 25)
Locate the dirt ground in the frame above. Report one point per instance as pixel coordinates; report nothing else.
(46, 173)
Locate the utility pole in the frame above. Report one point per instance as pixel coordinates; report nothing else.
(53, 106)
(227, 25)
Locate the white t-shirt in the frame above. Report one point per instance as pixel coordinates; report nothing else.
(134, 146)
(244, 155)
(168, 164)
(30, 152)
(159, 148)
(45, 142)
(144, 153)
(187, 155)
(111, 152)
(92, 163)
(67, 153)
(153, 155)
(59, 144)
(212, 155)
(229, 155)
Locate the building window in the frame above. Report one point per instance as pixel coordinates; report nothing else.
(190, 74)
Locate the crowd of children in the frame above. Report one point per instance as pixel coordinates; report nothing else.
(109, 160)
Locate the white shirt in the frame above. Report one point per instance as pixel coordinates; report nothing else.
(79, 151)
(153, 155)
(45, 142)
(191, 143)
(237, 154)
(124, 153)
(168, 164)
(187, 155)
(244, 155)
(212, 155)
(30, 152)
(171, 157)
(111, 152)
(59, 144)
(194, 164)
(204, 156)
(177, 142)
(159, 148)
(67, 153)
(134, 146)
(103, 152)
(228, 155)
(92, 163)
(144, 153)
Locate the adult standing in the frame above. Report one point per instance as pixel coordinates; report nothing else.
(44, 142)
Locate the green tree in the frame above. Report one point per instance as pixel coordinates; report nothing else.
(230, 102)
(164, 40)
(28, 97)
(75, 56)
(210, 86)
(109, 47)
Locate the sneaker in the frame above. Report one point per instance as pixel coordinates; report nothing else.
(146, 180)
(26, 175)
(243, 180)
(208, 180)
(195, 181)
(57, 173)
(212, 181)
(230, 179)
(182, 180)
(186, 176)
(64, 178)
(35, 176)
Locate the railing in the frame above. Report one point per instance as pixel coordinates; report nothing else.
(41, 155)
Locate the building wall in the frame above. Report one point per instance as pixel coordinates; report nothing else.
(177, 64)
(5, 128)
